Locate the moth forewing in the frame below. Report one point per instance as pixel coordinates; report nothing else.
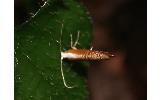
(84, 54)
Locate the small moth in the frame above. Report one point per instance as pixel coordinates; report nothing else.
(80, 54)
(84, 54)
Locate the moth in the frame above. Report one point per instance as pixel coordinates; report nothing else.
(80, 54)
(84, 54)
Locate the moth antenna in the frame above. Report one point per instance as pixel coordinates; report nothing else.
(62, 73)
(63, 78)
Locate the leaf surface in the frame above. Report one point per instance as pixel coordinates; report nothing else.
(37, 53)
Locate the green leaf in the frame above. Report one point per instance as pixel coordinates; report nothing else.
(37, 53)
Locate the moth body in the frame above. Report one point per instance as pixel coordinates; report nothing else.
(83, 54)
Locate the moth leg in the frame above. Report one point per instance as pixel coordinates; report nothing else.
(71, 42)
(73, 46)
(91, 48)
(76, 42)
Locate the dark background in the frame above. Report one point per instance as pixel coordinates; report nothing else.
(119, 26)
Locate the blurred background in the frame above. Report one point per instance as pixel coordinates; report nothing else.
(119, 26)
